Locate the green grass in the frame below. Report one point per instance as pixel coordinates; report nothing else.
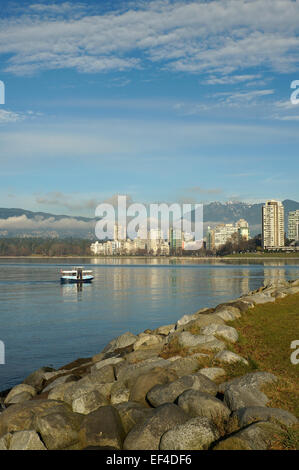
(266, 333)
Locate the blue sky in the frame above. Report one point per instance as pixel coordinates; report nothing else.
(162, 100)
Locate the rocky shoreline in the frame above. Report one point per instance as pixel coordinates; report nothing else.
(163, 389)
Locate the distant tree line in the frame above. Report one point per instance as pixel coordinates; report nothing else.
(44, 247)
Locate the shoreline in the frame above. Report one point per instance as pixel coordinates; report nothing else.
(207, 258)
(149, 390)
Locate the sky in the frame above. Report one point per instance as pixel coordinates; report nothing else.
(176, 101)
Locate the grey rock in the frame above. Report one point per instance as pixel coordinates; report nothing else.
(165, 330)
(122, 341)
(132, 413)
(238, 397)
(5, 441)
(245, 391)
(196, 403)
(103, 428)
(38, 377)
(119, 393)
(147, 340)
(184, 365)
(257, 436)
(58, 427)
(248, 415)
(89, 402)
(204, 342)
(17, 390)
(20, 398)
(196, 434)
(168, 393)
(255, 379)
(60, 380)
(185, 319)
(26, 440)
(106, 362)
(130, 372)
(225, 332)
(103, 374)
(212, 372)
(147, 435)
(21, 416)
(259, 298)
(229, 357)
(201, 320)
(227, 313)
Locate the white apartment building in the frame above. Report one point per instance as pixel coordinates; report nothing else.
(273, 224)
(223, 233)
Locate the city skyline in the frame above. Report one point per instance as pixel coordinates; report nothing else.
(157, 100)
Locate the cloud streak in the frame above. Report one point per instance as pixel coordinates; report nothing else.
(219, 38)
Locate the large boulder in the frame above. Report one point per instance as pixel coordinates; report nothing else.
(119, 392)
(184, 365)
(147, 434)
(132, 413)
(161, 394)
(259, 298)
(207, 342)
(17, 390)
(200, 321)
(212, 372)
(229, 357)
(102, 428)
(38, 378)
(254, 379)
(257, 436)
(26, 440)
(196, 403)
(165, 330)
(147, 340)
(248, 415)
(196, 434)
(129, 372)
(122, 341)
(228, 333)
(64, 379)
(89, 402)
(245, 391)
(103, 364)
(5, 441)
(58, 427)
(21, 417)
(148, 380)
(227, 312)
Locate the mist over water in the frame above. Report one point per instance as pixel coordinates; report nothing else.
(45, 323)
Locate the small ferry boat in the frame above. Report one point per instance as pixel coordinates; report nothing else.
(78, 274)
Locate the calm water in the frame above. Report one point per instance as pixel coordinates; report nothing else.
(46, 323)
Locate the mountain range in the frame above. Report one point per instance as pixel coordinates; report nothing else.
(25, 223)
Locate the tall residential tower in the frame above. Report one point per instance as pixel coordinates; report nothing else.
(273, 224)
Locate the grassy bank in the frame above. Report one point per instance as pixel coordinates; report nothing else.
(266, 333)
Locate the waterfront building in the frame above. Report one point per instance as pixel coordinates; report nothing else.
(223, 233)
(293, 225)
(273, 224)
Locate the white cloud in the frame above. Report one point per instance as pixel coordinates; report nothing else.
(10, 116)
(217, 37)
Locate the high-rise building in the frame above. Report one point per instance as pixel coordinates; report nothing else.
(273, 224)
(293, 225)
(243, 229)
